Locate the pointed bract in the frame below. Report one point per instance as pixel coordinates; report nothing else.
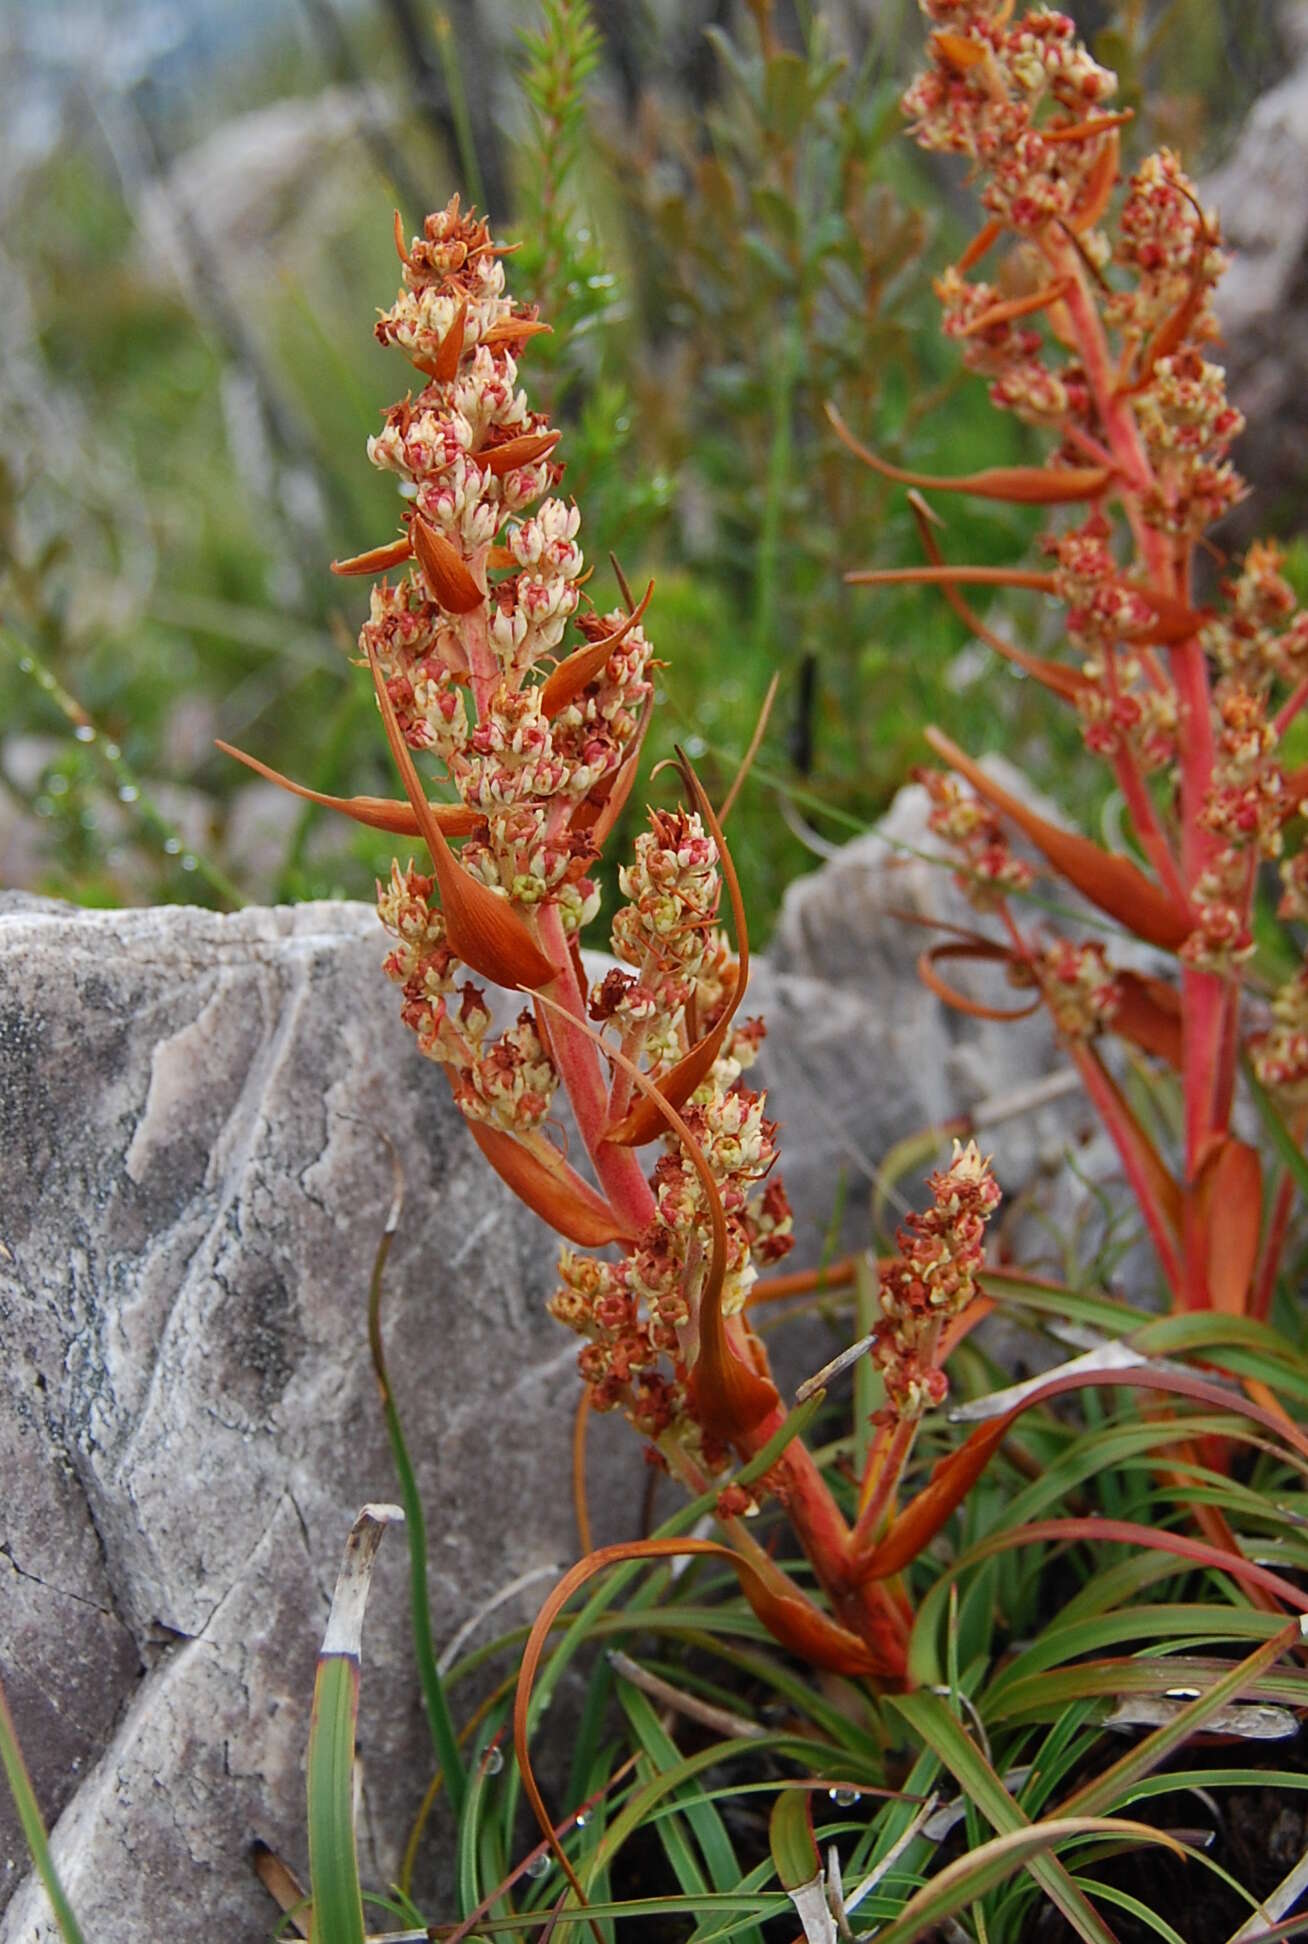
(482, 927)
(379, 813)
(1109, 880)
(551, 1190)
(444, 569)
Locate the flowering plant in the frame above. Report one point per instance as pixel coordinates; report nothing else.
(539, 740)
(1096, 330)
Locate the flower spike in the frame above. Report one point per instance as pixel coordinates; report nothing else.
(641, 1123)
(483, 929)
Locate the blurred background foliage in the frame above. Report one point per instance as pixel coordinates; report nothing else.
(715, 211)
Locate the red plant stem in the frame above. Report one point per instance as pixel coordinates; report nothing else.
(1147, 828)
(1116, 1118)
(873, 1611)
(1208, 1021)
(1290, 708)
(578, 1062)
(884, 1483)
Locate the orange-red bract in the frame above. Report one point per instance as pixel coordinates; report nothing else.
(379, 813)
(1110, 881)
(565, 683)
(554, 1191)
(1022, 485)
(377, 560)
(444, 569)
(483, 928)
(1229, 1207)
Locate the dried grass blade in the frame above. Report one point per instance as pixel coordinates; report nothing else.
(333, 1864)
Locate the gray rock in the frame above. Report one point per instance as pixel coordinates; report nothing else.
(193, 1178)
(1261, 300)
(885, 1057)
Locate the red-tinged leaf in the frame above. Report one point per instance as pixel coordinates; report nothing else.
(551, 1189)
(940, 576)
(1098, 187)
(378, 560)
(1012, 308)
(1084, 131)
(523, 451)
(960, 1327)
(974, 1008)
(1229, 1206)
(1101, 1532)
(1112, 882)
(1061, 680)
(1149, 1015)
(1175, 620)
(982, 243)
(576, 670)
(949, 1484)
(483, 928)
(803, 1629)
(955, 1475)
(1022, 485)
(1154, 1187)
(765, 1585)
(728, 1396)
(514, 329)
(379, 813)
(445, 365)
(444, 569)
(641, 1123)
(957, 51)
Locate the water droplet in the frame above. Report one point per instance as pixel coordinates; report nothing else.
(190, 863)
(84, 732)
(57, 785)
(172, 845)
(539, 1866)
(27, 664)
(844, 1798)
(87, 820)
(494, 1761)
(581, 1818)
(112, 751)
(43, 807)
(128, 793)
(695, 747)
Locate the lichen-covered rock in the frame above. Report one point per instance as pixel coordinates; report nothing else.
(194, 1174)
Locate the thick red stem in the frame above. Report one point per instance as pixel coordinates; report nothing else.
(578, 1062)
(873, 1611)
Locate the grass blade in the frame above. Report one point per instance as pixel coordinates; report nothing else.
(932, 1723)
(29, 1815)
(439, 1720)
(337, 1916)
(969, 1878)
